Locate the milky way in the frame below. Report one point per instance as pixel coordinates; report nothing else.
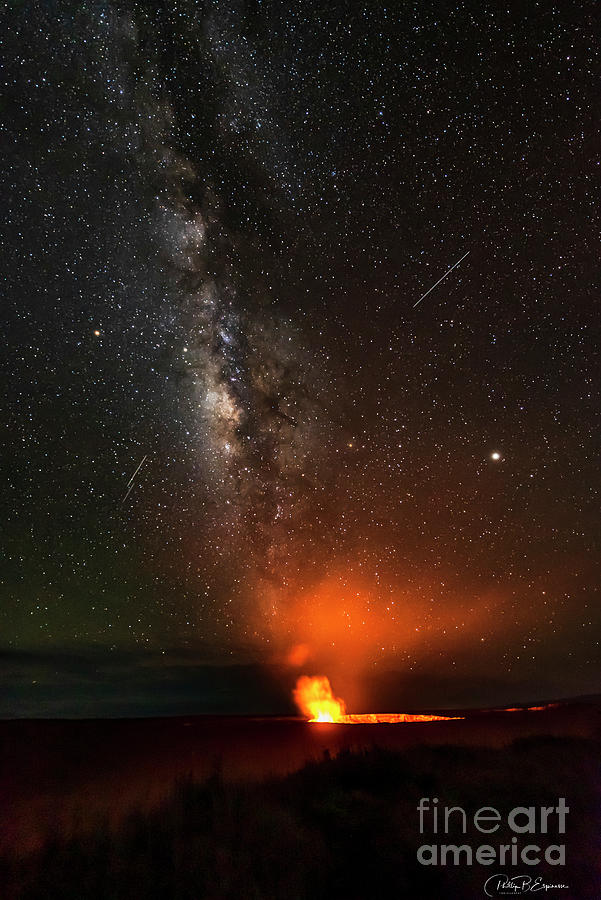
(253, 392)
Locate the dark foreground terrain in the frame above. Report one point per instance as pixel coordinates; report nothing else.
(238, 808)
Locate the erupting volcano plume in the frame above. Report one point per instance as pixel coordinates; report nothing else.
(315, 700)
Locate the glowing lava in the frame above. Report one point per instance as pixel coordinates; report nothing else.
(315, 700)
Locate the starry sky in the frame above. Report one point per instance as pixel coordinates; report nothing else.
(235, 437)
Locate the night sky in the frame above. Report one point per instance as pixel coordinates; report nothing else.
(221, 218)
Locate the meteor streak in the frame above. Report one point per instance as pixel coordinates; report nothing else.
(131, 482)
(441, 279)
(143, 460)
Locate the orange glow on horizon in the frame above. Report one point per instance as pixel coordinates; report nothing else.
(315, 700)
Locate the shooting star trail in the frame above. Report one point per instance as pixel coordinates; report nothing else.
(131, 482)
(441, 279)
(143, 460)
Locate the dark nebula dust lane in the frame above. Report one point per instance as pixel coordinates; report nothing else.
(256, 410)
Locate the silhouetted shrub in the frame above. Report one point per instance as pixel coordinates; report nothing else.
(345, 827)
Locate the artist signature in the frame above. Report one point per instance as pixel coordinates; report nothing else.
(503, 886)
